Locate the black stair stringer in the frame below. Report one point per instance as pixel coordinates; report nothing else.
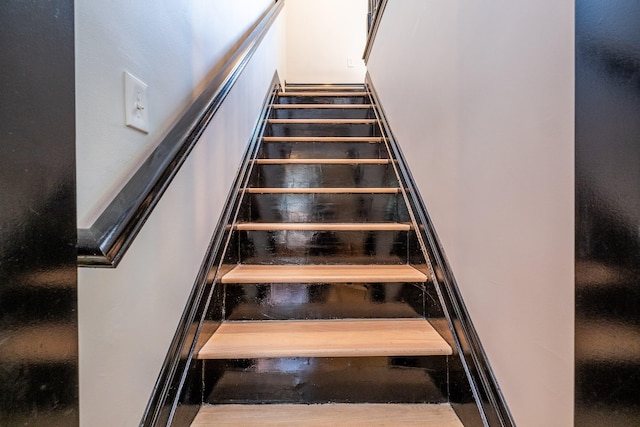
(480, 403)
(176, 397)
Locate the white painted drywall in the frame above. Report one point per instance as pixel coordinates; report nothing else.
(321, 36)
(171, 46)
(128, 315)
(480, 97)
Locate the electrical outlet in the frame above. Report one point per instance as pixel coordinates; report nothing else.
(136, 106)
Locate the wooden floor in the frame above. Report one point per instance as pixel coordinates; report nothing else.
(338, 415)
(248, 273)
(324, 338)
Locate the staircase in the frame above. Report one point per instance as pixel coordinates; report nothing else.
(325, 314)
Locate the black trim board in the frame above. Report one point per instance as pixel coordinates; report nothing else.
(107, 240)
(486, 392)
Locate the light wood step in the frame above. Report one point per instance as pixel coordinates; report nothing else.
(336, 414)
(321, 106)
(250, 273)
(334, 87)
(326, 94)
(322, 139)
(323, 190)
(323, 161)
(322, 121)
(323, 226)
(324, 338)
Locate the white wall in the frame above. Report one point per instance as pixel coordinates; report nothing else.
(128, 315)
(321, 36)
(171, 46)
(480, 97)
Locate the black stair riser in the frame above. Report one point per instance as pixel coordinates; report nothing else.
(326, 380)
(317, 207)
(323, 100)
(322, 113)
(323, 129)
(322, 175)
(322, 247)
(323, 150)
(285, 301)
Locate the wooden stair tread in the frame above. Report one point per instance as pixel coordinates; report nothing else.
(321, 106)
(323, 226)
(324, 94)
(323, 161)
(323, 86)
(326, 190)
(250, 273)
(324, 338)
(323, 121)
(322, 415)
(322, 139)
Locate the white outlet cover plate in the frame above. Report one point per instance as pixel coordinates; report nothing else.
(136, 103)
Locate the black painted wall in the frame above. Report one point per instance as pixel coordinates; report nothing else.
(607, 213)
(38, 317)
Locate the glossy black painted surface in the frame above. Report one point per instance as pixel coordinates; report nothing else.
(323, 247)
(322, 113)
(106, 241)
(38, 283)
(607, 213)
(323, 176)
(324, 129)
(325, 208)
(284, 99)
(323, 150)
(327, 380)
(283, 301)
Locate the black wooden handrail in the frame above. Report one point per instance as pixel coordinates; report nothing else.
(374, 22)
(106, 241)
